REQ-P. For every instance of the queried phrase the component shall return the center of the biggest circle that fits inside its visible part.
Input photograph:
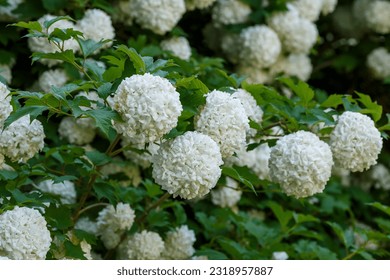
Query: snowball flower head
(5, 104)
(52, 78)
(39, 44)
(198, 4)
(145, 245)
(188, 166)
(328, 6)
(178, 46)
(378, 61)
(260, 46)
(6, 73)
(378, 16)
(66, 190)
(149, 106)
(309, 9)
(355, 142)
(123, 14)
(254, 75)
(23, 234)
(226, 196)
(114, 221)
(22, 140)
(6, 12)
(282, 255)
(230, 12)
(301, 163)
(179, 244)
(96, 25)
(142, 159)
(159, 16)
(297, 34)
(87, 225)
(298, 65)
(231, 46)
(380, 175)
(77, 131)
(224, 119)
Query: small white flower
(301, 163)
(309, 9)
(6, 73)
(378, 61)
(230, 12)
(179, 244)
(223, 118)
(145, 245)
(188, 166)
(380, 175)
(23, 234)
(254, 75)
(260, 46)
(178, 46)
(279, 255)
(198, 4)
(66, 190)
(22, 140)
(227, 196)
(149, 106)
(77, 131)
(87, 225)
(159, 16)
(355, 142)
(52, 78)
(378, 16)
(5, 104)
(124, 15)
(298, 65)
(328, 6)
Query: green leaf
(137, 60)
(301, 89)
(373, 108)
(74, 251)
(32, 25)
(55, 5)
(339, 232)
(211, 254)
(283, 216)
(8, 175)
(98, 158)
(381, 207)
(67, 56)
(33, 111)
(105, 190)
(58, 217)
(231, 172)
(103, 117)
(333, 101)
(302, 218)
(158, 218)
(152, 189)
(180, 213)
(234, 249)
(89, 46)
(104, 90)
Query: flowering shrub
(182, 129)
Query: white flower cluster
(253, 75)
(309, 9)
(188, 166)
(355, 142)
(260, 46)
(52, 78)
(256, 159)
(6, 73)
(301, 163)
(143, 159)
(66, 190)
(113, 222)
(377, 16)
(179, 244)
(39, 44)
(328, 6)
(23, 234)
(7, 12)
(226, 196)
(198, 4)
(178, 46)
(298, 65)
(281, 255)
(87, 225)
(145, 245)
(149, 106)
(96, 25)
(159, 16)
(380, 176)
(230, 12)
(5, 104)
(223, 118)
(297, 34)
(378, 61)
(123, 14)
(22, 140)
(130, 170)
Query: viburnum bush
(182, 129)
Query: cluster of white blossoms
(22, 139)
(130, 170)
(355, 142)
(309, 9)
(298, 65)
(40, 44)
(230, 12)
(224, 119)
(87, 225)
(328, 6)
(96, 25)
(112, 222)
(178, 46)
(377, 16)
(123, 13)
(7, 12)
(143, 159)
(5, 104)
(52, 78)
(198, 4)
(301, 163)
(149, 106)
(145, 245)
(260, 46)
(23, 234)
(179, 244)
(6, 73)
(378, 62)
(159, 16)
(65, 190)
(188, 166)
(380, 177)
(228, 195)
